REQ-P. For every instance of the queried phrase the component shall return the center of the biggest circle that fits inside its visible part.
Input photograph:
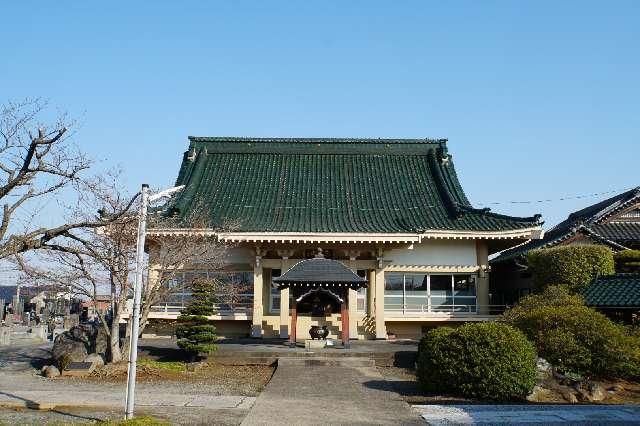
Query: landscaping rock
(616, 388)
(570, 397)
(597, 392)
(96, 359)
(544, 370)
(50, 371)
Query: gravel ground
(173, 415)
(19, 371)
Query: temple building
(407, 249)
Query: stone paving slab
(52, 399)
(303, 394)
(529, 414)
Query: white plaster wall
(240, 255)
(435, 252)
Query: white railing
(239, 308)
(425, 309)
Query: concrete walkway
(530, 414)
(320, 392)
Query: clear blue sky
(538, 99)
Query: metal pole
(135, 317)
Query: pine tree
(196, 334)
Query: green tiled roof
(331, 185)
(619, 290)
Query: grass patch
(137, 421)
(177, 366)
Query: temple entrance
(320, 287)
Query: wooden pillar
(294, 322)
(344, 313)
(284, 313)
(381, 329)
(256, 325)
(482, 283)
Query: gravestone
(9, 320)
(5, 336)
(39, 332)
(26, 319)
(3, 309)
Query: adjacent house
(614, 222)
(617, 296)
(390, 210)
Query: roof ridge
(239, 139)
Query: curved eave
(534, 232)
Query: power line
(565, 198)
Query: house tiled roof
(589, 221)
(618, 290)
(330, 186)
(619, 231)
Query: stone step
(269, 358)
(322, 362)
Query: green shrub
(479, 360)
(627, 261)
(195, 333)
(573, 337)
(575, 266)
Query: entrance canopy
(320, 272)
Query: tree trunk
(114, 338)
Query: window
(361, 297)
(274, 295)
(393, 291)
(464, 293)
(441, 293)
(235, 290)
(415, 293)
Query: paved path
(530, 414)
(321, 392)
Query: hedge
(627, 261)
(575, 338)
(479, 360)
(575, 266)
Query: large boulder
(78, 342)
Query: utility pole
(137, 291)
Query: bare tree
(37, 163)
(94, 260)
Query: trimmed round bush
(574, 266)
(574, 337)
(490, 361)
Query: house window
(393, 292)
(361, 298)
(416, 293)
(441, 293)
(274, 295)
(234, 293)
